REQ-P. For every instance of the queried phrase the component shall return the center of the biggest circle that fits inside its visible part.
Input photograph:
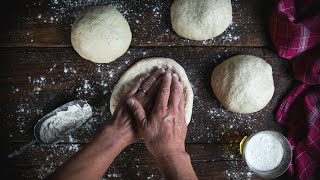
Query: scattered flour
(235, 173)
(63, 12)
(156, 32)
(263, 152)
(44, 171)
(114, 175)
(57, 126)
(55, 155)
(229, 36)
(38, 84)
(90, 83)
(69, 70)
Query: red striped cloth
(295, 26)
(295, 29)
(300, 113)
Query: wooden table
(40, 71)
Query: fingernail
(169, 75)
(130, 102)
(162, 70)
(175, 75)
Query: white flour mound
(264, 152)
(57, 126)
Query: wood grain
(204, 170)
(209, 160)
(25, 100)
(45, 24)
(136, 153)
(40, 71)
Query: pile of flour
(57, 126)
(264, 152)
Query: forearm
(177, 166)
(93, 160)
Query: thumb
(137, 110)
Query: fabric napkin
(295, 26)
(295, 32)
(300, 113)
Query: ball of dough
(243, 83)
(148, 66)
(200, 19)
(101, 34)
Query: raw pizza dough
(243, 83)
(147, 66)
(200, 19)
(101, 34)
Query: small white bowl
(285, 162)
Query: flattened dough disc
(147, 66)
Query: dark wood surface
(149, 21)
(40, 71)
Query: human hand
(123, 123)
(164, 129)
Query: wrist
(168, 156)
(109, 136)
(177, 166)
(179, 159)
(103, 146)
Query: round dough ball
(200, 19)
(148, 66)
(101, 34)
(243, 83)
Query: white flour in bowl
(264, 152)
(57, 126)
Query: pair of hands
(153, 110)
(157, 116)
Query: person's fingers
(164, 93)
(182, 101)
(135, 87)
(137, 111)
(153, 78)
(168, 71)
(147, 84)
(148, 101)
(175, 93)
(154, 89)
(182, 108)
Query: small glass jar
(283, 163)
